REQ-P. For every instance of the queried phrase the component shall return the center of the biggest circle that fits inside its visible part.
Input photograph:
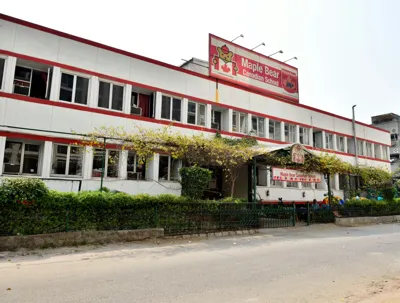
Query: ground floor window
(168, 169)
(306, 185)
(292, 184)
(21, 158)
(67, 160)
(135, 170)
(111, 163)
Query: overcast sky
(348, 50)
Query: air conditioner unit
(136, 111)
(10, 168)
(215, 125)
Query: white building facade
(52, 84)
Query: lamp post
(263, 44)
(293, 58)
(240, 36)
(278, 52)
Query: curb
(215, 234)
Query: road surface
(309, 264)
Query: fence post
(294, 214)
(308, 213)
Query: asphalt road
(308, 264)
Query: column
(123, 165)
(364, 145)
(269, 173)
(93, 91)
(127, 99)
(158, 105)
(184, 110)
(345, 145)
(208, 115)
(373, 150)
(55, 84)
(46, 159)
(334, 138)
(2, 150)
(297, 134)
(282, 131)
(380, 151)
(87, 163)
(336, 182)
(152, 168)
(230, 111)
(323, 139)
(266, 127)
(311, 136)
(8, 76)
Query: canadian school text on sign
(291, 175)
(237, 64)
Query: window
(171, 108)
(257, 125)
(2, 64)
(290, 133)
(67, 160)
(239, 122)
(369, 149)
(385, 153)
(292, 184)
(21, 158)
(135, 170)
(304, 134)
(393, 137)
(328, 141)
(306, 185)
(168, 169)
(272, 181)
(111, 96)
(275, 130)
(74, 88)
(32, 82)
(196, 113)
(360, 147)
(340, 143)
(216, 119)
(111, 163)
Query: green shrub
(194, 181)
(22, 190)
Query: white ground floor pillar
(2, 150)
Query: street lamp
(294, 58)
(240, 36)
(258, 46)
(278, 52)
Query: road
(309, 264)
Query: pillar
(123, 165)
(345, 145)
(2, 150)
(87, 163)
(208, 115)
(230, 111)
(184, 110)
(56, 84)
(250, 124)
(47, 159)
(152, 168)
(127, 99)
(297, 134)
(323, 139)
(311, 136)
(282, 132)
(94, 92)
(334, 138)
(266, 128)
(336, 182)
(158, 105)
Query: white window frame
(75, 75)
(135, 163)
(290, 133)
(329, 141)
(304, 133)
(385, 155)
(171, 108)
(67, 160)
(197, 113)
(242, 129)
(340, 147)
(40, 158)
(3, 81)
(360, 147)
(292, 184)
(106, 162)
(111, 95)
(274, 123)
(257, 130)
(170, 161)
(368, 147)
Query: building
(391, 123)
(53, 83)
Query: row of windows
(21, 158)
(36, 82)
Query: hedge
(369, 208)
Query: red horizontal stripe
(169, 66)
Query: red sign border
(274, 168)
(252, 87)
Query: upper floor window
(385, 153)
(257, 125)
(135, 169)
(111, 96)
(109, 162)
(67, 160)
(239, 122)
(394, 137)
(290, 133)
(369, 149)
(74, 88)
(21, 158)
(275, 130)
(304, 135)
(340, 143)
(171, 108)
(2, 64)
(360, 147)
(168, 169)
(196, 113)
(328, 141)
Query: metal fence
(175, 218)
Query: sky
(348, 50)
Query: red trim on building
(166, 65)
(289, 202)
